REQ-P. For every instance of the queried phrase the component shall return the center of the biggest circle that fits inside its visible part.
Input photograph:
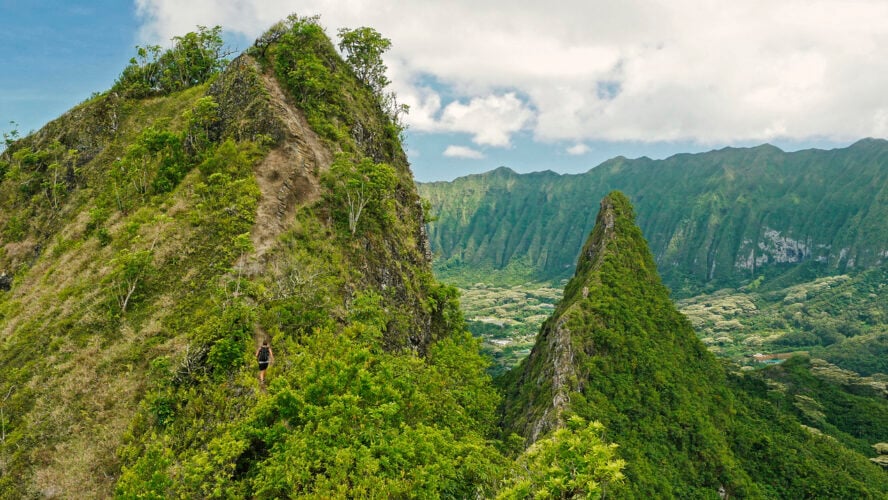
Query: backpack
(263, 354)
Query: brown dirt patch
(290, 175)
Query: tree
(60, 170)
(11, 136)
(200, 122)
(363, 48)
(192, 60)
(3, 416)
(882, 450)
(361, 189)
(130, 270)
(572, 462)
(278, 30)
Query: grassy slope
(144, 396)
(75, 366)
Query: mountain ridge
(156, 233)
(159, 232)
(616, 350)
(714, 220)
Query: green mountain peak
(614, 236)
(615, 320)
(617, 351)
(152, 237)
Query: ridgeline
(617, 351)
(156, 233)
(713, 220)
(153, 236)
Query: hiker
(265, 357)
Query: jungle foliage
(144, 275)
(192, 60)
(127, 225)
(721, 219)
(684, 425)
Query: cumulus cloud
(490, 119)
(463, 152)
(578, 149)
(713, 72)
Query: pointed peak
(616, 281)
(614, 230)
(503, 170)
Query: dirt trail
(289, 175)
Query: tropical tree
(192, 60)
(572, 462)
(359, 190)
(363, 48)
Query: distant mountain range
(713, 220)
(153, 237)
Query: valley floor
(825, 318)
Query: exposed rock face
(5, 281)
(560, 360)
(777, 248)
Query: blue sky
(519, 83)
(55, 54)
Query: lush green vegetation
(345, 104)
(507, 319)
(842, 319)
(131, 225)
(573, 462)
(714, 220)
(789, 459)
(158, 232)
(341, 417)
(617, 351)
(830, 400)
(86, 311)
(192, 60)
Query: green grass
(128, 335)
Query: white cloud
(463, 152)
(491, 119)
(578, 149)
(713, 72)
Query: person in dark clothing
(265, 357)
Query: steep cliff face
(713, 220)
(148, 243)
(617, 351)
